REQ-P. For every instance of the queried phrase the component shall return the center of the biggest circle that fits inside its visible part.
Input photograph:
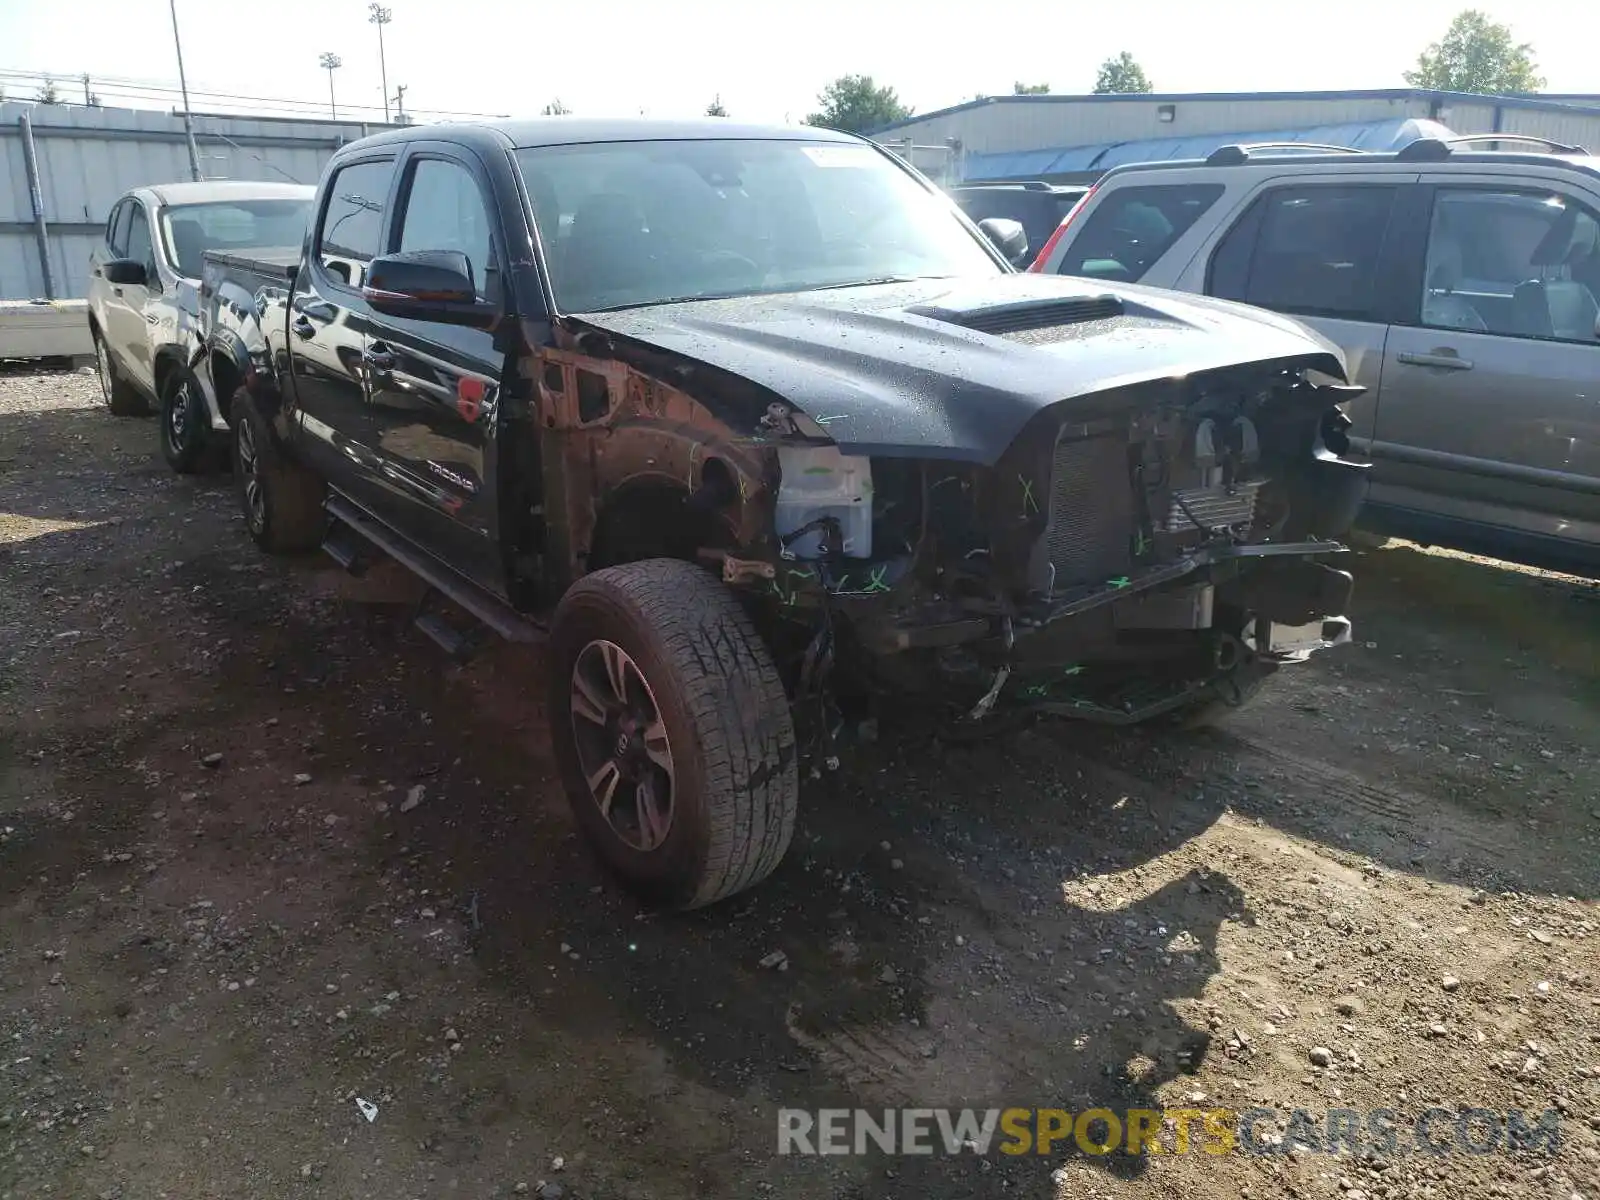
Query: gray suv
(1460, 283)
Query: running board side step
(486, 607)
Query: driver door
(126, 321)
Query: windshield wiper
(833, 287)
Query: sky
(767, 61)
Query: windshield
(189, 230)
(636, 223)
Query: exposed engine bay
(1139, 552)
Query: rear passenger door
(1321, 250)
(1491, 387)
(434, 388)
(328, 319)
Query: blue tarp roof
(1067, 160)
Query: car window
(189, 230)
(352, 219)
(117, 228)
(1514, 262)
(445, 211)
(138, 247)
(650, 222)
(1128, 231)
(1038, 211)
(1311, 250)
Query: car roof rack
(1232, 155)
(1437, 150)
(1466, 139)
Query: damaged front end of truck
(1150, 532)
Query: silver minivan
(1461, 285)
(143, 295)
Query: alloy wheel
(178, 416)
(622, 744)
(255, 495)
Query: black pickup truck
(764, 436)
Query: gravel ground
(264, 854)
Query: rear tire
(282, 501)
(663, 695)
(120, 396)
(186, 439)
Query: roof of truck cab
(572, 131)
(218, 190)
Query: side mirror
(1009, 238)
(125, 272)
(427, 285)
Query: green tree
(555, 109)
(49, 93)
(1121, 74)
(715, 109)
(855, 104)
(1477, 55)
(1030, 89)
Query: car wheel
(186, 439)
(282, 501)
(672, 732)
(120, 396)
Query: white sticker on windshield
(838, 156)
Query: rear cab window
(351, 224)
(1314, 249)
(1128, 231)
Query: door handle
(303, 328)
(116, 291)
(379, 359)
(1449, 360)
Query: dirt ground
(202, 967)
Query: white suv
(1461, 285)
(143, 302)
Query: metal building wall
(87, 157)
(1010, 124)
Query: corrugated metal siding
(88, 157)
(1019, 125)
(1574, 129)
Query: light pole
(330, 62)
(183, 83)
(381, 16)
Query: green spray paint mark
(1140, 543)
(830, 420)
(1120, 582)
(843, 585)
(1075, 670)
(875, 580)
(1028, 502)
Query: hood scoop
(1001, 319)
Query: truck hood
(954, 369)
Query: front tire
(120, 396)
(672, 732)
(186, 440)
(282, 501)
